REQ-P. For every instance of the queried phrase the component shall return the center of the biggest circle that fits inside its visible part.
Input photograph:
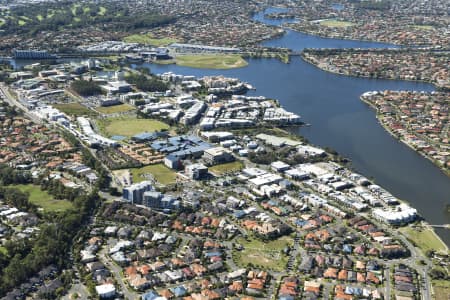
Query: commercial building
(32, 54)
(135, 193)
(196, 171)
(202, 48)
(173, 162)
(402, 213)
(156, 200)
(181, 147)
(115, 87)
(109, 102)
(279, 166)
(91, 136)
(217, 155)
(193, 114)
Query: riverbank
(398, 137)
(425, 238)
(341, 71)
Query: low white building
(105, 291)
(279, 166)
(402, 213)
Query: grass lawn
(75, 109)
(74, 7)
(43, 199)
(3, 250)
(424, 238)
(129, 126)
(160, 172)
(336, 23)
(423, 27)
(50, 13)
(102, 10)
(227, 167)
(441, 289)
(211, 61)
(265, 254)
(149, 39)
(164, 61)
(115, 109)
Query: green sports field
(160, 172)
(43, 199)
(211, 61)
(129, 126)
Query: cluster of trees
(90, 161)
(24, 258)
(51, 247)
(86, 88)
(141, 21)
(59, 190)
(16, 198)
(438, 274)
(147, 84)
(9, 175)
(373, 4)
(55, 16)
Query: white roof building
(279, 166)
(105, 290)
(402, 213)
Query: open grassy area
(441, 289)
(129, 126)
(43, 199)
(265, 254)
(102, 11)
(160, 172)
(74, 7)
(211, 61)
(227, 168)
(164, 61)
(424, 238)
(50, 13)
(114, 109)
(3, 250)
(336, 23)
(149, 39)
(75, 109)
(423, 27)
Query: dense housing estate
(117, 183)
(193, 242)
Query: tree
(437, 274)
(146, 84)
(86, 88)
